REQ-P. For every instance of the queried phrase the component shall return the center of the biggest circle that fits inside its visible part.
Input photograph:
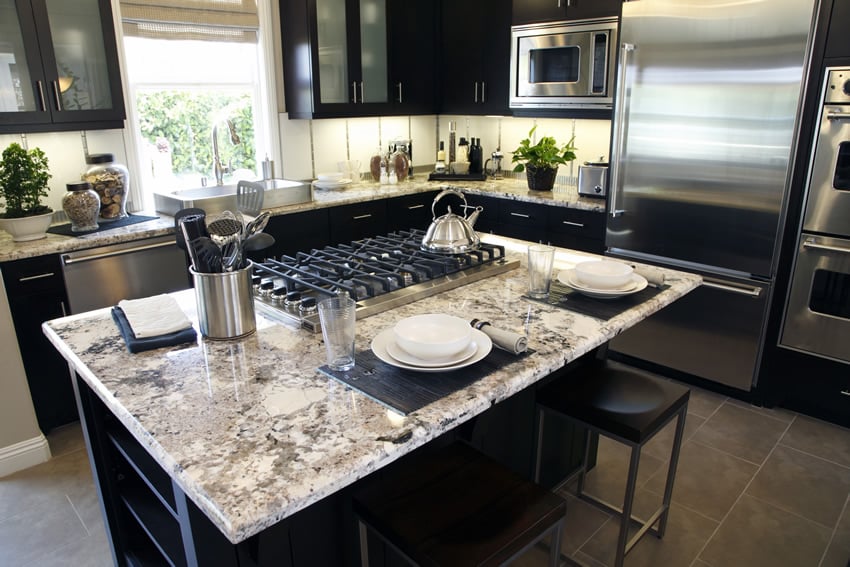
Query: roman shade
(212, 20)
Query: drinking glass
(540, 261)
(337, 316)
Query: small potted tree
(542, 160)
(23, 183)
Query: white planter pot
(27, 228)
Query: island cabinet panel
(36, 294)
(534, 11)
(526, 221)
(297, 232)
(410, 211)
(62, 66)
(358, 220)
(576, 229)
(488, 218)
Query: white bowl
(432, 335)
(331, 176)
(604, 274)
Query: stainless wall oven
(817, 315)
(563, 65)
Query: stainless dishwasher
(103, 276)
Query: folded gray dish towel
(654, 276)
(506, 340)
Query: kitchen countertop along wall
(252, 432)
(561, 196)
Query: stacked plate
(431, 343)
(603, 279)
(329, 181)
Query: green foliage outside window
(181, 122)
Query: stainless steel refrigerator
(705, 121)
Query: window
(195, 83)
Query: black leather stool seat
(456, 506)
(624, 402)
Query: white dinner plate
(568, 278)
(379, 347)
(329, 184)
(405, 357)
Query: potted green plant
(23, 183)
(541, 160)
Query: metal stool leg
(582, 474)
(626, 517)
(539, 460)
(671, 471)
(364, 544)
(555, 545)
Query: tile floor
(754, 487)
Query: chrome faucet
(218, 168)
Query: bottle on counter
(452, 138)
(476, 156)
(82, 206)
(440, 166)
(111, 181)
(463, 150)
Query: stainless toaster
(593, 179)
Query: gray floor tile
(820, 438)
(89, 551)
(661, 445)
(686, 535)
(583, 519)
(66, 439)
(704, 403)
(803, 484)
(37, 532)
(781, 414)
(707, 480)
(838, 555)
(741, 432)
(758, 534)
(586, 560)
(607, 480)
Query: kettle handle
(443, 193)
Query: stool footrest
(646, 525)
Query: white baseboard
(24, 455)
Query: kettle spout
(474, 216)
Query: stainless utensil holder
(225, 303)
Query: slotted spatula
(249, 198)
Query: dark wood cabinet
(63, 71)
(476, 47)
(362, 57)
(410, 211)
(576, 228)
(837, 44)
(358, 220)
(297, 232)
(488, 218)
(534, 11)
(36, 294)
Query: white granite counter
(561, 196)
(253, 432)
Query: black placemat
(406, 391)
(65, 229)
(568, 298)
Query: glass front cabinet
(58, 66)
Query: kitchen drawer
(33, 275)
(488, 219)
(576, 222)
(358, 220)
(410, 211)
(522, 214)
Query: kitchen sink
(219, 198)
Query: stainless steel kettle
(451, 233)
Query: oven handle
(838, 115)
(68, 259)
(811, 243)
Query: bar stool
(629, 406)
(456, 506)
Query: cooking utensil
(258, 241)
(197, 225)
(451, 233)
(224, 228)
(249, 198)
(206, 255)
(256, 225)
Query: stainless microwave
(563, 64)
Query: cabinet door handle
(578, 224)
(521, 215)
(36, 277)
(361, 217)
(354, 90)
(362, 100)
(748, 291)
(483, 98)
(475, 98)
(57, 97)
(412, 207)
(41, 96)
(400, 94)
(845, 392)
(62, 306)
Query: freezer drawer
(713, 333)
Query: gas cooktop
(380, 273)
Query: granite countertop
(561, 196)
(253, 432)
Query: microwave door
(552, 65)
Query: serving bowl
(604, 274)
(330, 176)
(432, 335)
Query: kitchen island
(253, 434)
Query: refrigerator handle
(616, 187)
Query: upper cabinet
(358, 57)
(836, 39)
(534, 11)
(59, 66)
(476, 48)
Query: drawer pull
(578, 224)
(38, 277)
(520, 215)
(412, 207)
(845, 392)
(361, 217)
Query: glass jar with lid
(111, 181)
(82, 206)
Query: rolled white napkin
(506, 340)
(654, 276)
(154, 316)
